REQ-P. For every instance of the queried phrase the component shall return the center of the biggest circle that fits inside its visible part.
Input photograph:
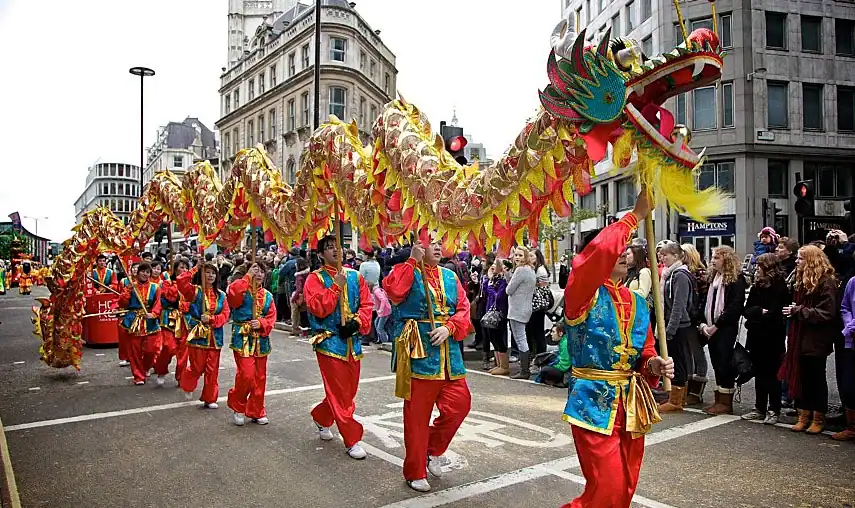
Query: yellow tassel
(676, 185)
(622, 150)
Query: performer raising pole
(429, 371)
(610, 406)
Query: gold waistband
(642, 411)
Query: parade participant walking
(25, 277)
(123, 337)
(207, 315)
(610, 342)
(173, 328)
(327, 291)
(105, 279)
(429, 370)
(2, 277)
(141, 300)
(253, 318)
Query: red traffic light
(456, 143)
(803, 190)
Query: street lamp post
(36, 219)
(142, 72)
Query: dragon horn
(577, 56)
(559, 79)
(603, 48)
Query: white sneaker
(753, 415)
(419, 485)
(124, 363)
(261, 421)
(239, 419)
(188, 395)
(212, 405)
(771, 418)
(435, 464)
(324, 432)
(356, 452)
(161, 380)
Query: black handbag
(741, 364)
(542, 299)
(492, 319)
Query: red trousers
(182, 357)
(247, 396)
(341, 381)
(142, 351)
(203, 361)
(123, 343)
(421, 439)
(167, 351)
(610, 465)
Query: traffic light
(611, 219)
(455, 142)
(804, 197)
(849, 206)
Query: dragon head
(614, 89)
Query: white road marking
(162, 407)
(19, 363)
(460, 492)
(643, 501)
(129, 377)
(33, 389)
(781, 425)
(482, 373)
(83, 382)
(99, 354)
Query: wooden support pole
(657, 292)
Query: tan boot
(724, 406)
(804, 420)
(817, 424)
(675, 401)
(496, 359)
(502, 369)
(716, 398)
(847, 434)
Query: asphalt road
(91, 439)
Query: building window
(250, 134)
(646, 9)
(251, 89)
(261, 83)
(112, 189)
(779, 111)
(227, 143)
(681, 109)
(112, 170)
(272, 124)
(832, 181)
(727, 104)
(362, 60)
(292, 67)
(362, 111)
(812, 106)
(338, 102)
(716, 174)
(631, 17)
(236, 140)
(387, 83)
(616, 25)
(589, 13)
(228, 104)
(304, 105)
(703, 108)
(337, 49)
(121, 170)
(177, 161)
(777, 178)
(589, 201)
(845, 108)
(291, 116)
(844, 33)
(601, 5)
(776, 30)
(726, 30)
(578, 19)
(291, 172)
(626, 194)
(811, 34)
(261, 138)
(373, 115)
(647, 46)
(304, 52)
(372, 69)
(272, 76)
(237, 99)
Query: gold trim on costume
(642, 412)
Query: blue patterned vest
(243, 341)
(193, 317)
(150, 295)
(596, 342)
(108, 277)
(333, 345)
(445, 358)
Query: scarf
(715, 293)
(664, 278)
(790, 370)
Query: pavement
(92, 439)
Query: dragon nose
(680, 135)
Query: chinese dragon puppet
(607, 94)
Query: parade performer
(122, 333)
(25, 277)
(614, 363)
(158, 275)
(105, 279)
(173, 327)
(327, 291)
(141, 300)
(207, 315)
(429, 370)
(253, 317)
(2, 277)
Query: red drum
(101, 329)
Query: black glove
(348, 329)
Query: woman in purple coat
(493, 286)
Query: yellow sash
(138, 327)
(200, 331)
(642, 412)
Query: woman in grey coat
(520, 292)
(677, 298)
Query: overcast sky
(68, 99)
